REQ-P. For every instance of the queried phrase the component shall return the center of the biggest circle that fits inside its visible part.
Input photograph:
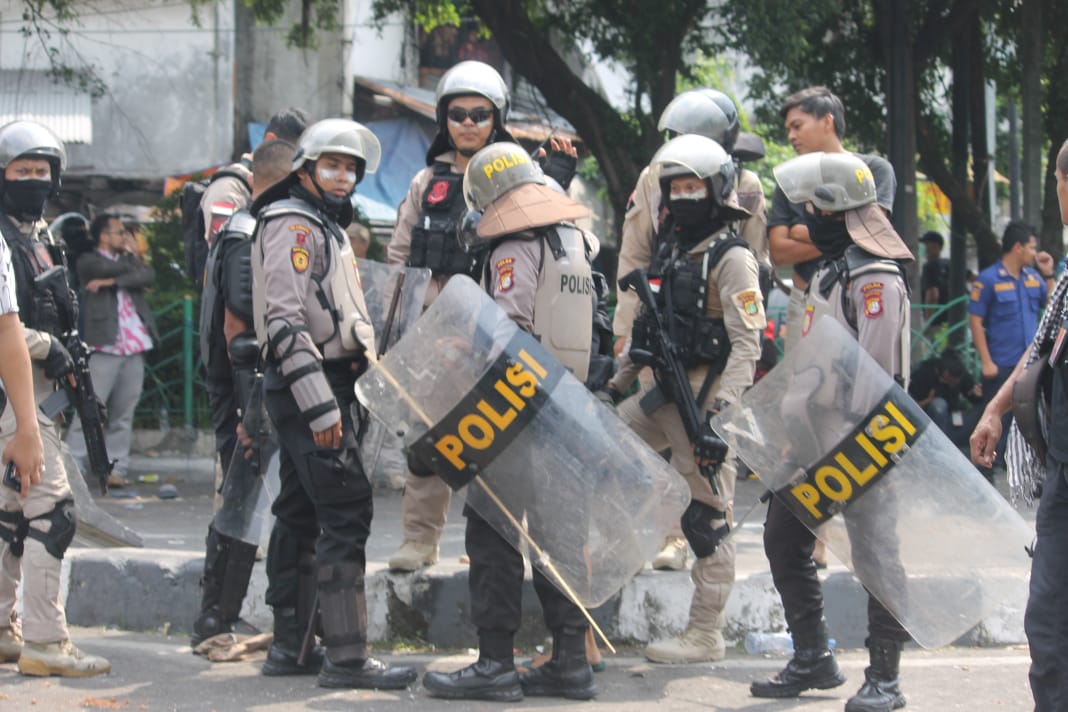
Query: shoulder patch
(806, 321)
(751, 308)
(505, 274)
(300, 259)
(977, 291)
(873, 299)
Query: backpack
(193, 227)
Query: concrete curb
(150, 589)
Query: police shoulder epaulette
(717, 248)
(242, 222)
(290, 206)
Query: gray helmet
(339, 136)
(830, 181)
(695, 155)
(705, 112)
(468, 78)
(28, 139)
(497, 169)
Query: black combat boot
(813, 667)
(228, 567)
(881, 691)
(343, 607)
(568, 674)
(492, 677)
(291, 626)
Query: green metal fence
(174, 382)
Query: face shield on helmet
(830, 181)
(694, 155)
(495, 170)
(339, 136)
(705, 112)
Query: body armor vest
(828, 294)
(39, 308)
(680, 282)
(339, 308)
(563, 304)
(434, 242)
(221, 290)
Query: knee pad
(704, 527)
(62, 525)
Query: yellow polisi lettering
(534, 365)
(861, 477)
(499, 420)
(892, 437)
(509, 395)
(521, 379)
(451, 447)
(873, 452)
(472, 422)
(834, 484)
(900, 418)
(808, 496)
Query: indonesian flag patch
(873, 299)
(505, 274)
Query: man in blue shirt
(1007, 298)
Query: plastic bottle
(773, 643)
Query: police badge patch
(751, 307)
(299, 257)
(873, 299)
(505, 276)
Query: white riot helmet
(339, 136)
(469, 78)
(705, 112)
(28, 139)
(695, 155)
(830, 181)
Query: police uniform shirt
(786, 214)
(39, 343)
(408, 214)
(223, 197)
(8, 301)
(294, 261)
(642, 222)
(1009, 308)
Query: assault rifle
(78, 384)
(673, 379)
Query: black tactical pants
(496, 587)
(325, 496)
(788, 545)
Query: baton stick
(546, 561)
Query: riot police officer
(709, 294)
(860, 282)
(229, 352)
(309, 311)
(36, 530)
(710, 113)
(538, 270)
(471, 108)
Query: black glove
(416, 465)
(710, 446)
(559, 166)
(58, 362)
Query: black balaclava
(828, 233)
(692, 220)
(25, 200)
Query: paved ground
(154, 672)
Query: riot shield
(394, 296)
(862, 466)
(95, 526)
(248, 490)
(551, 468)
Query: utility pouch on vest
(710, 341)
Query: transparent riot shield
(863, 467)
(394, 296)
(248, 491)
(95, 526)
(548, 466)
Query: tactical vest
(563, 304)
(434, 243)
(680, 282)
(39, 308)
(339, 298)
(828, 294)
(233, 290)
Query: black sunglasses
(459, 115)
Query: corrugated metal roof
(31, 95)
